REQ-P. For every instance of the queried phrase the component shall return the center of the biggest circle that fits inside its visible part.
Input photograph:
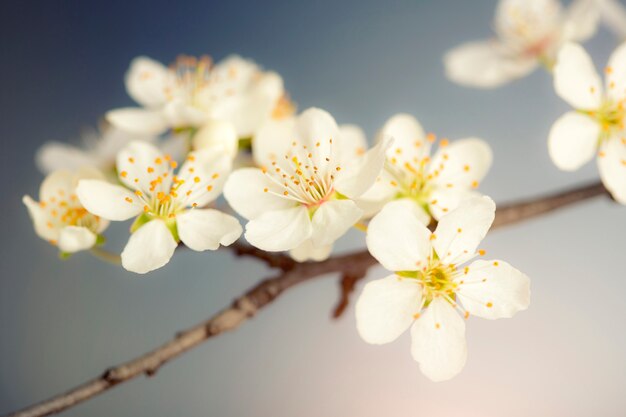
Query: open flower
(430, 291)
(302, 199)
(528, 33)
(436, 186)
(59, 217)
(193, 91)
(168, 206)
(597, 125)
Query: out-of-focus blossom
(528, 33)
(169, 207)
(59, 217)
(430, 291)
(192, 92)
(302, 199)
(434, 185)
(597, 124)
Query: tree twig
(354, 266)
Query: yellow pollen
(173, 164)
(265, 190)
(481, 252)
(150, 170)
(437, 326)
(433, 236)
(474, 184)
(496, 263)
(444, 143)
(286, 193)
(489, 304)
(196, 179)
(128, 199)
(131, 160)
(123, 174)
(216, 175)
(459, 230)
(194, 205)
(191, 158)
(431, 137)
(146, 208)
(158, 161)
(416, 316)
(466, 168)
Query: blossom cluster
(300, 181)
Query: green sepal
(140, 221)
(64, 256)
(100, 240)
(173, 228)
(407, 274)
(245, 144)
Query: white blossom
(169, 208)
(597, 124)
(193, 92)
(430, 290)
(59, 217)
(302, 199)
(434, 185)
(528, 33)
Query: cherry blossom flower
(168, 207)
(435, 185)
(59, 217)
(528, 33)
(597, 124)
(193, 92)
(430, 290)
(302, 199)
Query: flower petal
(616, 74)
(111, 202)
(332, 220)
(45, 226)
(463, 163)
(217, 133)
(207, 229)
(493, 289)
(486, 64)
(581, 20)
(575, 78)
(54, 156)
(352, 144)
(443, 200)
(315, 126)
(181, 114)
(306, 251)
(139, 121)
(146, 81)
(74, 238)
(244, 191)
(386, 308)
(438, 341)
(139, 164)
(397, 237)
(279, 230)
(203, 176)
(612, 167)
(409, 140)
(273, 141)
(360, 174)
(613, 16)
(459, 232)
(57, 185)
(149, 248)
(573, 140)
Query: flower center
(191, 78)
(610, 116)
(436, 279)
(303, 176)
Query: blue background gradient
(62, 323)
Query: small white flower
(59, 217)
(429, 284)
(613, 16)
(98, 151)
(528, 32)
(597, 125)
(193, 92)
(303, 198)
(168, 205)
(435, 186)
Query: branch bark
(352, 268)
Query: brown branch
(354, 266)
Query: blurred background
(63, 322)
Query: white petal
(203, 174)
(73, 239)
(139, 121)
(397, 237)
(409, 140)
(352, 143)
(463, 163)
(493, 290)
(140, 163)
(45, 226)
(146, 81)
(573, 141)
(149, 248)
(486, 64)
(575, 78)
(273, 141)
(55, 156)
(612, 166)
(181, 114)
(613, 16)
(380, 193)
(59, 184)
(360, 174)
(207, 229)
(443, 200)
(217, 133)
(438, 341)
(279, 230)
(315, 126)
(306, 251)
(332, 220)
(386, 308)
(616, 74)
(244, 191)
(581, 20)
(459, 232)
(111, 202)
(527, 22)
